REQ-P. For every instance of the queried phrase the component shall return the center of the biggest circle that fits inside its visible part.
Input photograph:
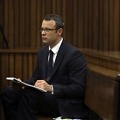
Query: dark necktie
(50, 64)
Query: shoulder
(72, 52)
(43, 50)
(68, 48)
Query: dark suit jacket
(68, 79)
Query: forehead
(48, 23)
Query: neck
(55, 43)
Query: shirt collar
(56, 47)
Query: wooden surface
(17, 63)
(102, 93)
(103, 84)
(92, 24)
(107, 59)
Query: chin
(45, 42)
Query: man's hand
(44, 85)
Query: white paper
(23, 83)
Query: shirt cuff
(52, 90)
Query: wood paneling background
(1, 22)
(90, 24)
(17, 63)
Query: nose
(42, 32)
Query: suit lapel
(59, 58)
(58, 61)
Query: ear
(60, 31)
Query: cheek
(49, 39)
(53, 37)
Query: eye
(46, 29)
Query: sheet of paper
(13, 79)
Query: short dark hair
(58, 19)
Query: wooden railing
(17, 63)
(103, 83)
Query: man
(64, 80)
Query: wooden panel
(103, 83)
(90, 24)
(33, 23)
(107, 59)
(25, 64)
(17, 63)
(11, 23)
(95, 38)
(1, 22)
(1, 11)
(75, 20)
(6, 21)
(85, 23)
(80, 24)
(101, 25)
(106, 25)
(12, 64)
(116, 25)
(111, 30)
(102, 93)
(18, 66)
(4, 69)
(21, 20)
(38, 19)
(17, 35)
(27, 23)
(69, 22)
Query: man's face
(49, 33)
